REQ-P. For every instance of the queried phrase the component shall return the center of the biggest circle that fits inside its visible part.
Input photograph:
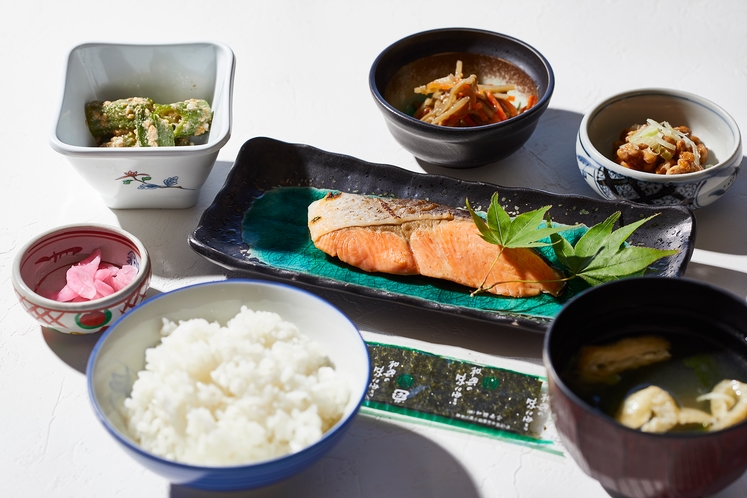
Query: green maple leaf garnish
(523, 231)
(599, 256)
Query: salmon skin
(419, 237)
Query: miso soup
(693, 367)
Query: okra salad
(140, 122)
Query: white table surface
(302, 77)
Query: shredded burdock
(457, 101)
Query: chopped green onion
(652, 135)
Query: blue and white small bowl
(602, 126)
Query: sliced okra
(111, 118)
(129, 139)
(189, 118)
(153, 131)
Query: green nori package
(466, 395)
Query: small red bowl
(40, 268)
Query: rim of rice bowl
(349, 410)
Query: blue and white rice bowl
(602, 125)
(120, 354)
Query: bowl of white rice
(229, 385)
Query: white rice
(252, 390)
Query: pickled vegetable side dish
(140, 122)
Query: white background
(302, 77)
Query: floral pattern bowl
(602, 125)
(145, 177)
(40, 267)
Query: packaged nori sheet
(469, 396)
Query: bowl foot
(614, 494)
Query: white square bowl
(135, 177)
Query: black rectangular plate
(264, 164)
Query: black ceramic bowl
(494, 58)
(628, 462)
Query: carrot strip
(510, 109)
(498, 109)
(492, 99)
(531, 101)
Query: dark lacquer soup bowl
(628, 462)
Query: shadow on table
(164, 231)
(72, 349)
(374, 459)
(436, 327)
(722, 226)
(75, 349)
(731, 280)
(547, 161)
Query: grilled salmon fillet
(418, 237)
